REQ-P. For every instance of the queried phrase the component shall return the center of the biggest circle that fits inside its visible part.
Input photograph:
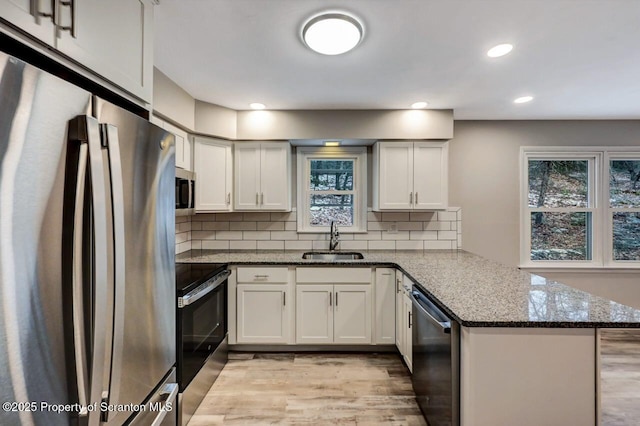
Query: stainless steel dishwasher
(436, 362)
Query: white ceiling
(579, 58)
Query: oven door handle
(199, 293)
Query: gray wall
(172, 102)
(484, 158)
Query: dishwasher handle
(419, 302)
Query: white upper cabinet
(113, 39)
(213, 166)
(183, 146)
(262, 176)
(410, 176)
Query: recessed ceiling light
(419, 105)
(331, 143)
(257, 105)
(523, 99)
(499, 50)
(332, 33)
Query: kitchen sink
(315, 255)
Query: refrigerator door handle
(77, 304)
(111, 141)
(168, 399)
(86, 131)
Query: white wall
(484, 158)
(172, 102)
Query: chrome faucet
(334, 239)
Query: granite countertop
(475, 291)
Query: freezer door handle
(77, 303)
(85, 131)
(111, 142)
(168, 398)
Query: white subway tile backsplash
(203, 235)
(371, 235)
(256, 235)
(352, 245)
(447, 216)
(257, 216)
(229, 217)
(423, 235)
(409, 245)
(270, 226)
(395, 217)
(409, 226)
(298, 245)
(216, 226)
(400, 235)
(242, 226)
(215, 245)
(437, 245)
(270, 245)
(422, 216)
(381, 245)
(228, 235)
(242, 245)
(447, 235)
(278, 231)
(284, 235)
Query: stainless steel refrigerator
(87, 267)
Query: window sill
(586, 269)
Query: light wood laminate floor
(314, 389)
(620, 377)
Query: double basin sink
(329, 256)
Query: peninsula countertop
(475, 291)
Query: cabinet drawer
(263, 275)
(333, 275)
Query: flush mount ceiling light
(523, 99)
(331, 143)
(499, 50)
(332, 33)
(419, 105)
(257, 105)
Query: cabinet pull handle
(416, 198)
(262, 198)
(398, 285)
(34, 10)
(261, 276)
(257, 198)
(410, 320)
(336, 299)
(71, 4)
(229, 198)
(284, 299)
(330, 297)
(387, 274)
(411, 198)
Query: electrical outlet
(393, 228)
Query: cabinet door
(408, 337)
(263, 313)
(385, 309)
(399, 313)
(181, 140)
(246, 162)
(430, 175)
(314, 313)
(212, 165)
(352, 314)
(275, 175)
(26, 15)
(395, 175)
(114, 39)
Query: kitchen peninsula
(529, 351)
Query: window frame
(598, 204)
(359, 156)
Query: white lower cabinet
(404, 319)
(338, 313)
(263, 313)
(408, 330)
(385, 308)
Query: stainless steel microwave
(185, 192)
